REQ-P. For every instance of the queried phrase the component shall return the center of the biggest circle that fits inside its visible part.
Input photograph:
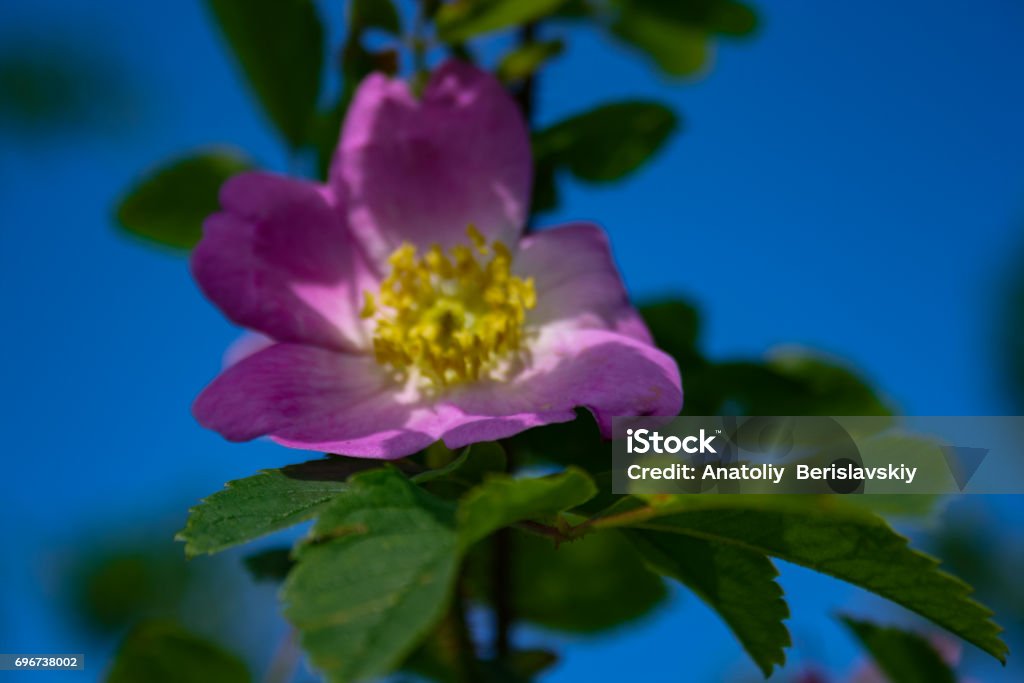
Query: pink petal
(423, 171)
(279, 260)
(576, 281)
(316, 399)
(609, 373)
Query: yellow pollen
(450, 317)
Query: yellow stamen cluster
(450, 317)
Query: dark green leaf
(272, 564)
(502, 500)
(903, 656)
(846, 543)
(162, 652)
(675, 325)
(461, 20)
(608, 142)
(465, 471)
(524, 60)
(269, 501)
(726, 17)
(376, 576)
(678, 49)
(374, 14)
(169, 205)
(737, 583)
(571, 587)
(279, 45)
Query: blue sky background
(851, 180)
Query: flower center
(450, 317)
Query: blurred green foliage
(169, 206)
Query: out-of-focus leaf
(111, 588)
(272, 564)
(903, 656)
(799, 383)
(608, 142)
(269, 501)
(163, 652)
(461, 20)
(502, 500)
(678, 49)
(375, 14)
(169, 205)
(524, 60)
(849, 544)
(49, 87)
(375, 578)
(569, 587)
(726, 17)
(279, 45)
(737, 583)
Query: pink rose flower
(400, 301)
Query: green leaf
(521, 63)
(169, 205)
(846, 543)
(502, 500)
(461, 20)
(379, 14)
(272, 564)
(678, 49)
(279, 45)
(465, 471)
(162, 652)
(735, 582)
(376, 576)
(608, 142)
(269, 501)
(903, 656)
(572, 587)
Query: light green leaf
(737, 583)
(903, 656)
(608, 142)
(502, 500)
(461, 20)
(162, 652)
(169, 205)
(524, 60)
(375, 578)
(846, 543)
(279, 45)
(269, 501)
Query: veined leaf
(903, 656)
(279, 45)
(849, 544)
(465, 471)
(269, 501)
(737, 583)
(502, 500)
(169, 205)
(608, 142)
(376, 576)
(461, 20)
(163, 652)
